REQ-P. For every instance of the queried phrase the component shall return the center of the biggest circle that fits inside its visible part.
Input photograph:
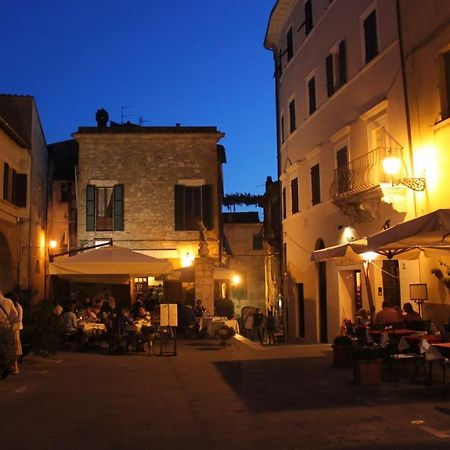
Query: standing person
(270, 327)
(8, 316)
(16, 327)
(259, 324)
(248, 324)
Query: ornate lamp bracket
(416, 184)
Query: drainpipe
(405, 95)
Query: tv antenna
(142, 120)
(122, 115)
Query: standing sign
(169, 315)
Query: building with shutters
(147, 189)
(23, 195)
(356, 83)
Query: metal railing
(361, 174)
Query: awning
(350, 250)
(112, 260)
(354, 251)
(430, 233)
(186, 274)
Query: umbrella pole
(369, 290)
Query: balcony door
(343, 173)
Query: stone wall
(149, 165)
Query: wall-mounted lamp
(236, 280)
(52, 244)
(392, 165)
(187, 259)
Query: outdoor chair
(400, 354)
(433, 356)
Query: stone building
(147, 189)
(243, 232)
(23, 184)
(349, 76)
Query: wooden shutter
(118, 207)
(315, 184)
(20, 190)
(294, 196)
(370, 36)
(5, 181)
(207, 206)
(284, 202)
(90, 207)
(289, 45)
(330, 75)
(312, 94)
(308, 17)
(179, 207)
(292, 119)
(342, 64)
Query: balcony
(357, 187)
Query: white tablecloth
(91, 326)
(215, 325)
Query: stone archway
(6, 266)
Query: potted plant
(366, 365)
(342, 351)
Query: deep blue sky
(196, 62)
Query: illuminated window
(104, 208)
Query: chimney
(102, 118)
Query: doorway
(322, 280)
(391, 282)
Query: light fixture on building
(236, 280)
(368, 256)
(392, 165)
(52, 244)
(187, 259)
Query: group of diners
(89, 322)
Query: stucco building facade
(23, 200)
(342, 108)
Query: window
(315, 184)
(312, 94)
(257, 242)
(192, 205)
(336, 69)
(294, 196)
(343, 175)
(289, 45)
(292, 120)
(284, 203)
(65, 191)
(370, 36)
(308, 17)
(104, 208)
(279, 65)
(14, 186)
(445, 91)
(283, 137)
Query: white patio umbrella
(429, 233)
(109, 261)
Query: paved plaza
(286, 397)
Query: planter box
(367, 372)
(342, 355)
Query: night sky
(195, 62)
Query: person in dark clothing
(259, 325)
(270, 327)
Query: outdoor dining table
(392, 332)
(444, 348)
(212, 324)
(88, 327)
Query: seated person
(142, 314)
(410, 314)
(69, 320)
(387, 315)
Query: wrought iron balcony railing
(361, 174)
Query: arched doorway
(322, 280)
(6, 268)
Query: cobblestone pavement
(286, 397)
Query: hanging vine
(233, 200)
